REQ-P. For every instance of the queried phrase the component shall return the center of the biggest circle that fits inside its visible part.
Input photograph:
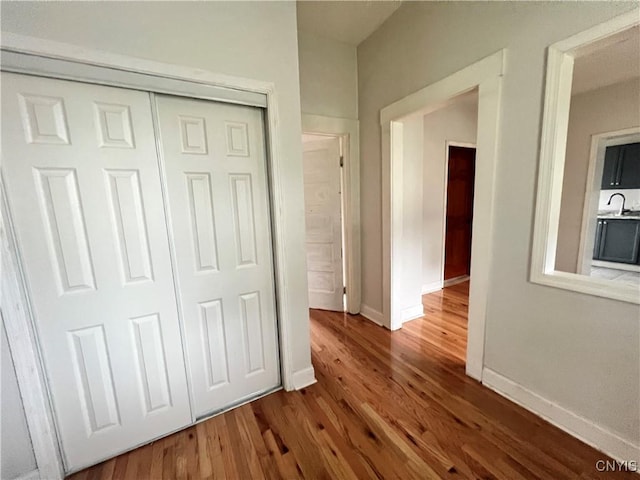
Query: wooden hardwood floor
(386, 405)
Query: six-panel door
(323, 214)
(82, 178)
(82, 174)
(214, 157)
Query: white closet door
(215, 163)
(82, 178)
(323, 214)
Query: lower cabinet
(617, 241)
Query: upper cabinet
(621, 167)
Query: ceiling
(612, 60)
(345, 21)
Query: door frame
(348, 132)
(599, 142)
(447, 144)
(70, 62)
(17, 318)
(553, 144)
(486, 75)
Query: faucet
(622, 209)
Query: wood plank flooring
(386, 405)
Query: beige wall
(606, 109)
(579, 351)
(457, 122)
(328, 77)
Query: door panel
(82, 179)
(621, 168)
(459, 215)
(323, 224)
(610, 168)
(629, 169)
(596, 246)
(215, 163)
(619, 241)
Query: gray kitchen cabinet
(617, 241)
(621, 167)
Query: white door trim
(599, 142)
(447, 144)
(85, 62)
(553, 143)
(19, 62)
(348, 130)
(486, 76)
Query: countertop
(613, 216)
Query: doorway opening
(439, 149)
(404, 191)
(319, 128)
(446, 309)
(607, 247)
(460, 174)
(449, 137)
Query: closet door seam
(172, 252)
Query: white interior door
(323, 213)
(215, 163)
(81, 172)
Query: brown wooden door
(460, 176)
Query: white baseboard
(582, 428)
(32, 475)
(432, 287)
(372, 314)
(412, 312)
(304, 378)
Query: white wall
(16, 454)
(581, 352)
(632, 200)
(457, 122)
(328, 77)
(606, 109)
